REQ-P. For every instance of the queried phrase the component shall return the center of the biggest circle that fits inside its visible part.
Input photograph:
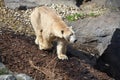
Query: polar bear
(48, 27)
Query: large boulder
(23, 77)
(25, 4)
(5, 74)
(15, 77)
(113, 4)
(102, 33)
(20, 4)
(7, 77)
(109, 61)
(108, 3)
(97, 32)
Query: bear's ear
(62, 31)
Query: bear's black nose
(75, 41)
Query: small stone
(7, 77)
(23, 77)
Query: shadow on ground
(109, 62)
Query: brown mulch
(21, 55)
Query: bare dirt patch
(21, 55)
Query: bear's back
(49, 13)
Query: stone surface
(25, 4)
(66, 2)
(20, 4)
(23, 77)
(108, 3)
(2, 65)
(5, 74)
(113, 3)
(109, 61)
(15, 77)
(97, 31)
(7, 77)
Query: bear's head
(69, 35)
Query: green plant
(4, 71)
(74, 17)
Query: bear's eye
(41, 30)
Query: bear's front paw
(62, 57)
(43, 47)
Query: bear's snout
(75, 41)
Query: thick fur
(48, 26)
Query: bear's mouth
(67, 39)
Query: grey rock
(113, 4)
(108, 3)
(12, 3)
(7, 77)
(15, 77)
(20, 4)
(23, 77)
(100, 2)
(66, 2)
(109, 60)
(25, 4)
(97, 31)
(3, 69)
(2, 65)
(5, 74)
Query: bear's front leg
(39, 37)
(61, 50)
(37, 40)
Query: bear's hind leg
(61, 50)
(45, 44)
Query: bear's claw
(62, 57)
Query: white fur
(72, 38)
(48, 26)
